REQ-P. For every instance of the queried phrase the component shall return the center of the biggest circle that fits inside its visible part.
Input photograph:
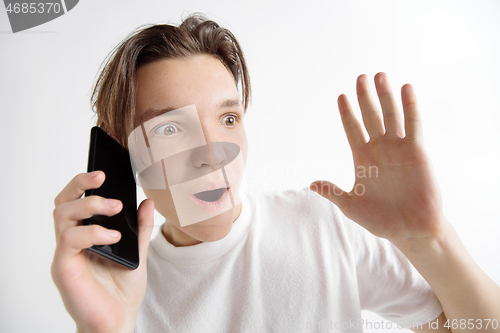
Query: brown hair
(113, 97)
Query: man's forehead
(169, 84)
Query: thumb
(145, 215)
(331, 192)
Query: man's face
(189, 147)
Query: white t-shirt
(292, 262)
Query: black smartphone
(109, 156)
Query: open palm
(395, 195)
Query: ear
(116, 139)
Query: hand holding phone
(90, 285)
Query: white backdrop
(301, 56)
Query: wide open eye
(229, 120)
(167, 129)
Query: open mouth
(211, 196)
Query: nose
(212, 155)
(218, 154)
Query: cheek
(164, 203)
(242, 141)
(244, 152)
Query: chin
(212, 229)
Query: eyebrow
(152, 113)
(229, 103)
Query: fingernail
(112, 202)
(113, 233)
(93, 173)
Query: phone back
(107, 155)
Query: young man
(233, 262)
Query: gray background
(301, 55)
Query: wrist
(434, 244)
(127, 327)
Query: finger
(78, 185)
(392, 117)
(145, 215)
(332, 192)
(73, 240)
(371, 115)
(68, 214)
(413, 123)
(352, 127)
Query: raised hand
(100, 295)
(395, 195)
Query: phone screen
(109, 156)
